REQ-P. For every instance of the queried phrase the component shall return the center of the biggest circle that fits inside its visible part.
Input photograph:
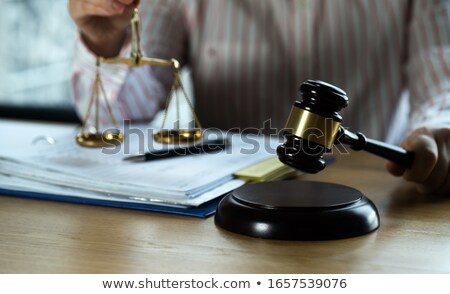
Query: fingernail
(119, 7)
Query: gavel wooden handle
(390, 152)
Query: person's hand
(102, 23)
(431, 167)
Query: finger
(110, 7)
(395, 169)
(129, 8)
(127, 2)
(113, 7)
(440, 173)
(445, 188)
(95, 8)
(424, 146)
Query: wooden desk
(39, 236)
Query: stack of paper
(29, 162)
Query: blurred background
(35, 54)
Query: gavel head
(312, 126)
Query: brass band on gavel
(313, 127)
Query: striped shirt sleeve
(429, 63)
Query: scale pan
(106, 139)
(179, 136)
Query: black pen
(209, 146)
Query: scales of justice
(92, 137)
(286, 210)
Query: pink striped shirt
(248, 58)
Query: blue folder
(202, 211)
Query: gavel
(314, 126)
(309, 210)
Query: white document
(183, 180)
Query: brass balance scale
(94, 138)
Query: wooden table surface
(38, 236)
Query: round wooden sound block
(297, 210)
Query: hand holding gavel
(314, 126)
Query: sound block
(297, 210)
